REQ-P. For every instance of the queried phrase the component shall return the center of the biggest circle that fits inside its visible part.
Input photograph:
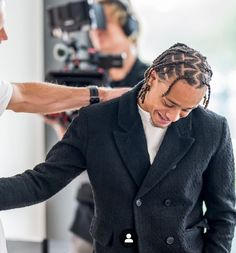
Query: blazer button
(170, 240)
(138, 202)
(167, 202)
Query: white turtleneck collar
(154, 135)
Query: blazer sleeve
(64, 162)
(219, 196)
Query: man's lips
(163, 119)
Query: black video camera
(83, 65)
(71, 23)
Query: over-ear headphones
(131, 25)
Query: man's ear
(153, 77)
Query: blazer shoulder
(101, 114)
(208, 115)
(113, 104)
(101, 107)
(208, 120)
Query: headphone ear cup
(99, 16)
(131, 25)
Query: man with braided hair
(153, 156)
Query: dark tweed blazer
(161, 202)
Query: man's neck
(142, 105)
(118, 74)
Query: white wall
(22, 135)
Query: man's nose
(3, 35)
(173, 115)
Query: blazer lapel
(174, 147)
(130, 138)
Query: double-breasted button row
(167, 202)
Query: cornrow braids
(182, 63)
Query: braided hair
(182, 63)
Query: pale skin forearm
(49, 98)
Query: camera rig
(71, 23)
(82, 64)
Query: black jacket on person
(85, 210)
(161, 202)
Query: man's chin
(160, 125)
(160, 122)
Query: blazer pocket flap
(198, 226)
(100, 231)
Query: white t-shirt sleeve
(6, 90)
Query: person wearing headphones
(120, 36)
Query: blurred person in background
(120, 37)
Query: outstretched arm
(64, 162)
(50, 98)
